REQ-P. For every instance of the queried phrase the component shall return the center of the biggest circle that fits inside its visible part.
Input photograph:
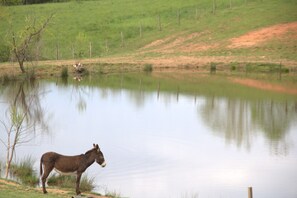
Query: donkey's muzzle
(103, 164)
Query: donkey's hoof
(44, 192)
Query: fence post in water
(250, 192)
(158, 90)
(280, 71)
(177, 95)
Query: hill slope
(158, 28)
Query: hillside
(161, 32)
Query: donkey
(69, 164)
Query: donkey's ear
(96, 146)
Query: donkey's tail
(41, 161)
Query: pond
(168, 135)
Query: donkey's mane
(88, 152)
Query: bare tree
(24, 118)
(23, 40)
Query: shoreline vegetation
(11, 188)
(47, 69)
(24, 182)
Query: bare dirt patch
(181, 42)
(265, 86)
(256, 37)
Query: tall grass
(65, 181)
(25, 172)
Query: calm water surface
(168, 137)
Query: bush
(213, 67)
(4, 52)
(25, 171)
(148, 68)
(64, 73)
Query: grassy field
(121, 27)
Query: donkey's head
(99, 156)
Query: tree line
(27, 2)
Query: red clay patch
(259, 36)
(264, 85)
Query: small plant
(148, 68)
(25, 171)
(213, 68)
(64, 73)
(5, 79)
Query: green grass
(11, 189)
(77, 23)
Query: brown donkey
(70, 164)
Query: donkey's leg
(47, 170)
(77, 183)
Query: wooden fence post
(214, 6)
(90, 49)
(106, 46)
(178, 17)
(140, 30)
(57, 51)
(159, 22)
(122, 39)
(250, 192)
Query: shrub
(25, 171)
(64, 72)
(213, 67)
(148, 68)
(4, 52)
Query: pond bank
(13, 189)
(161, 64)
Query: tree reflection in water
(238, 120)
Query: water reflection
(27, 97)
(238, 121)
(167, 137)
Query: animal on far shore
(69, 164)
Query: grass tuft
(25, 172)
(86, 184)
(64, 73)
